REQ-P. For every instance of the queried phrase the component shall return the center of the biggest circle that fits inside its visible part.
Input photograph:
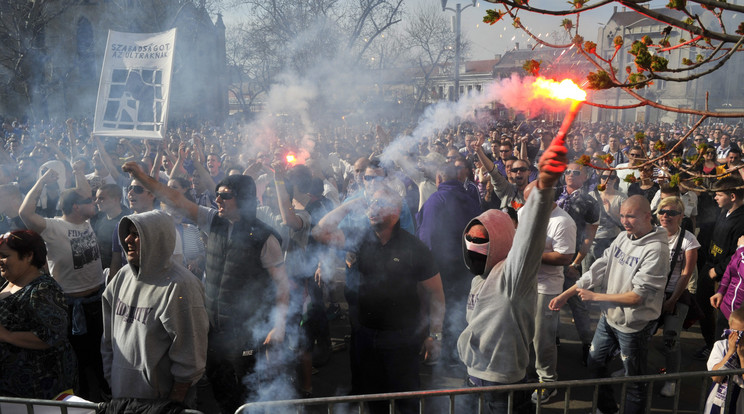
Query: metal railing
(9, 405)
(423, 396)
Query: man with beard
(509, 189)
(247, 289)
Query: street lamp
(457, 10)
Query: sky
(490, 40)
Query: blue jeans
(633, 352)
(494, 402)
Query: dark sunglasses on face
(476, 240)
(670, 213)
(226, 196)
(138, 189)
(518, 169)
(573, 172)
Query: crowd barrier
(10, 405)
(358, 403)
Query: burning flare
(291, 159)
(565, 89)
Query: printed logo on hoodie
(131, 313)
(623, 258)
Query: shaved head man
(634, 272)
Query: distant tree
(431, 46)
(279, 35)
(23, 79)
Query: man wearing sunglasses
(509, 189)
(574, 199)
(246, 280)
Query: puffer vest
(240, 293)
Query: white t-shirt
(689, 243)
(561, 238)
(72, 254)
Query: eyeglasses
(519, 169)
(476, 240)
(372, 178)
(226, 196)
(670, 213)
(84, 201)
(137, 189)
(502, 151)
(573, 172)
(635, 154)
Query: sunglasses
(372, 178)
(8, 235)
(519, 169)
(226, 196)
(573, 172)
(476, 240)
(635, 155)
(502, 151)
(670, 213)
(137, 189)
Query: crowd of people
(197, 268)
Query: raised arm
(106, 158)
(289, 218)
(327, 230)
(169, 196)
(27, 212)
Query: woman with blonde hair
(683, 250)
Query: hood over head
(157, 235)
(500, 230)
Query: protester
(503, 295)
(683, 248)
(155, 325)
(246, 282)
(629, 310)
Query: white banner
(135, 83)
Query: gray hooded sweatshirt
(501, 307)
(154, 321)
(641, 266)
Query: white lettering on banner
(133, 94)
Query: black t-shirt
(104, 230)
(388, 298)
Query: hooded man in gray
(502, 302)
(155, 324)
